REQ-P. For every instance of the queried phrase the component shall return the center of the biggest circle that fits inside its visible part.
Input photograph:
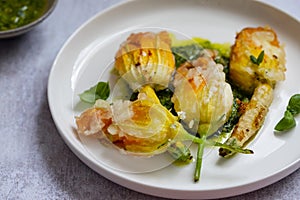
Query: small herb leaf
(253, 59)
(286, 123)
(99, 91)
(294, 104)
(259, 59)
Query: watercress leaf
(294, 104)
(99, 91)
(286, 123)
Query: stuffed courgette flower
(202, 94)
(146, 58)
(141, 127)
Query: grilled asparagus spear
(252, 119)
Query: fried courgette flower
(202, 94)
(141, 127)
(251, 42)
(146, 58)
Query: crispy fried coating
(146, 58)
(251, 42)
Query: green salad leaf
(294, 104)
(286, 123)
(99, 91)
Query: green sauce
(188, 50)
(17, 13)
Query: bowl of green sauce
(20, 16)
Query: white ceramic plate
(87, 55)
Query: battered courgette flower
(202, 94)
(141, 127)
(146, 58)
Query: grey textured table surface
(35, 163)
